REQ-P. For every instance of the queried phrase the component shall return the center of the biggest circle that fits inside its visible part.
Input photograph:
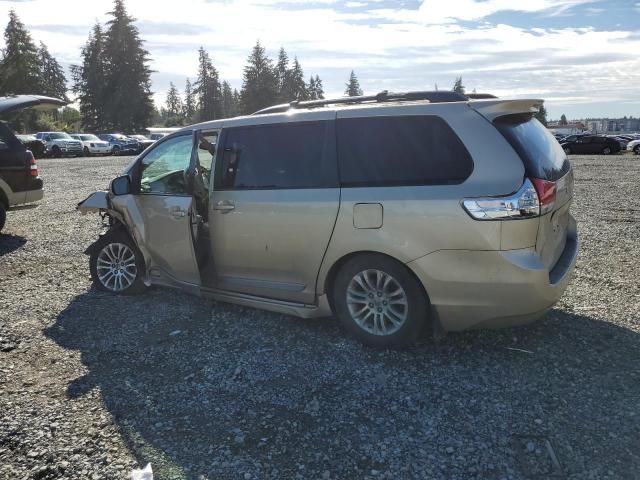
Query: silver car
(391, 212)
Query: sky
(581, 56)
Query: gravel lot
(93, 385)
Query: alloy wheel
(377, 302)
(116, 267)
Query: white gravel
(93, 385)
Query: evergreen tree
(319, 88)
(20, 66)
(457, 86)
(207, 89)
(563, 120)
(89, 78)
(229, 106)
(353, 87)
(52, 79)
(259, 83)
(282, 72)
(542, 115)
(189, 101)
(127, 74)
(173, 102)
(311, 89)
(296, 87)
(236, 101)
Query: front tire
(56, 152)
(117, 265)
(567, 150)
(115, 151)
(379, 301)
(606, 151)
(636, 149)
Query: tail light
(534, 198)
(33, 166)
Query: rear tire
(116, 265)
(606, 150)
(116, 150)
(379, 301)
(567, 150)
(86, 152)
(3, 216)
(636, 149)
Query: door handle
(224, 206)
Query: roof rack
(438, 96)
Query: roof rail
(438, 96)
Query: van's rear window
(540, 152)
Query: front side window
(404, 150)
(164, 168)
(286, 155)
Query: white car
(92, 145)
(634, 146)
(60, 144)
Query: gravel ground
(93, 385)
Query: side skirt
(322, 309)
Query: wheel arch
(335, 268)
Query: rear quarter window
(540, 152)
(402, 150)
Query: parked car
(157, 136)
(388, 213)
(60, 144)
(634, 146)
(590, 144)
(19, 180)
(37, 147)
(120, 144)
(143, 142)
(92, 145)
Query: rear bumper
(493, 289)
(34, 195)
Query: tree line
(112, 81)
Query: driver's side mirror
(121, 185)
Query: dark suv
(590, 144)
(19, 180)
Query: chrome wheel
(377, 302)
(116, 267)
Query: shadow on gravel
(10, 242)
(222, 391)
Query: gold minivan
(391, 212)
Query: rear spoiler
(492, 109)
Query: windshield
(88, 137)
(138, 137)
(119, 136)
(57, 136)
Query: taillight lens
(522, 204)
(33, 166)
(546, 194)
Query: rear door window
(402, 150)
(277, 156)
(540, 152)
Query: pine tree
(259, 83)
(19, 67)
(311, 89)
(229, 106)
(52, 79)
(282, 72)
(457, 86)
(128, 76)
(319, 88)
(173, 102)
(296, 87)
(353, 87)
(207, 89)
(542, 115)
(563, 120)
(89, 78)
(189, 102)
